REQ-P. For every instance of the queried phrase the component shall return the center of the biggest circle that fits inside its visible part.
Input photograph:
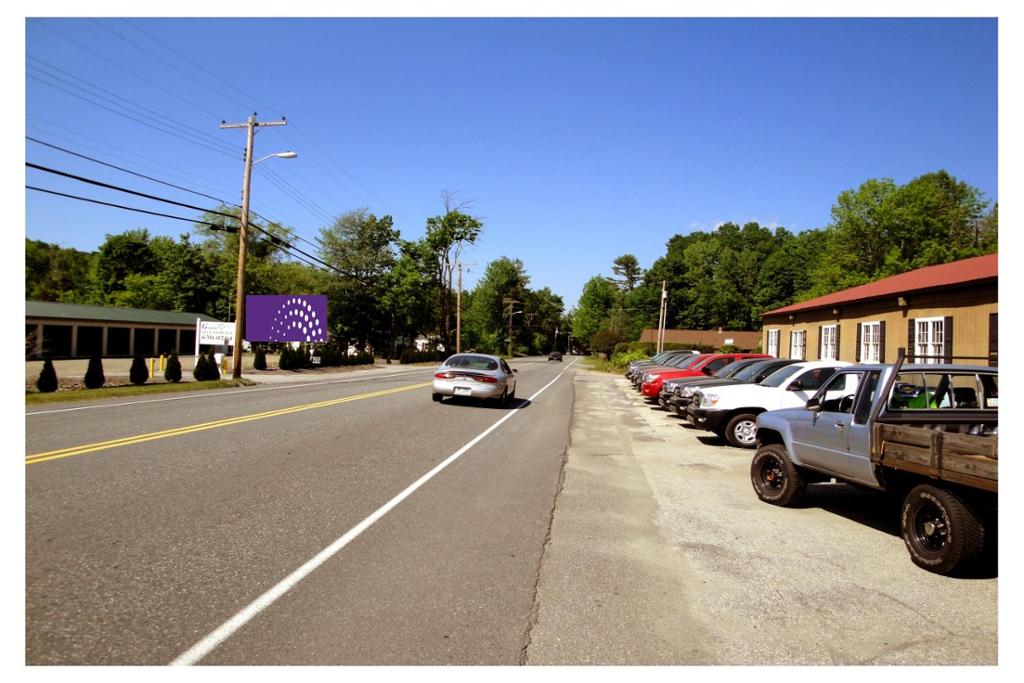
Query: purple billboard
(286, 317)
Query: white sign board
(217, 334)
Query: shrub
(604, 341)
(214, 369)
(138, 374)
(47, 381)
(260, 361)
(94, 378)
(287, 360)
(172, 373)
(202, 369)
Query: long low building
(716, 339)
(944, 313)
(55, 330)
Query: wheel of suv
(742, 431)
(775, 478)
(940, 530)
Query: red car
(650, 386)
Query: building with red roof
(943, 313)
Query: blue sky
(576, 140)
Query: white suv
(731, 411)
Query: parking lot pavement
(660, 553)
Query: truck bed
(959, 458)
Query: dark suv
(555, 355)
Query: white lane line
(221, 394)
(229, 627)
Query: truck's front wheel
(741, 431)
(775, 478)
(940, 530)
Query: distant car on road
(475, 375)
(555, 355)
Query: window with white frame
(773, 343)
(871, 342)
(798, 344)
(829, 343)
(929, 340)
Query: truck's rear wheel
(940, 530)
(775, 478)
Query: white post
(199, 324)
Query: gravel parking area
(661, 553)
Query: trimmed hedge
(47, 381)
(139, 373)
(172, 373)
(414, 356)
(94, 378)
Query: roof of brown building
(714, 338)
(962, 272)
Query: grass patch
(602, 365)
(131, 390)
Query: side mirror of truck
(813, 404)
(796, 385)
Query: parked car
(555, 355)
(474, 375)
(927, 433)
(669, 388)
(653, 378)
(731, 411)
(677, 361)
(754, 373)
(633, 366)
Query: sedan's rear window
(472, 362)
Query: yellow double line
(153, 436)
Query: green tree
(627, 272)
(362, 247)
(121, 256)
(596, 301)
(446, 236)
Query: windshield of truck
(760, 370)
(777, 379)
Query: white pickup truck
(731, 411)
(923, 433)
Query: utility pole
(458, 307)
(662, 317)
(243, 238)
(511, 303)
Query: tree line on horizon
(383, 291)
(728, 277)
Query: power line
(313, 144)
(157, 116)
(149, 124)
(272, 240)
(109, 146)
(128, 71)
(125, 170)
(140, 156)
(125, 190)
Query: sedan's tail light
(486, 379)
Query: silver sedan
(475, 375)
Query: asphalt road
(155, 528)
